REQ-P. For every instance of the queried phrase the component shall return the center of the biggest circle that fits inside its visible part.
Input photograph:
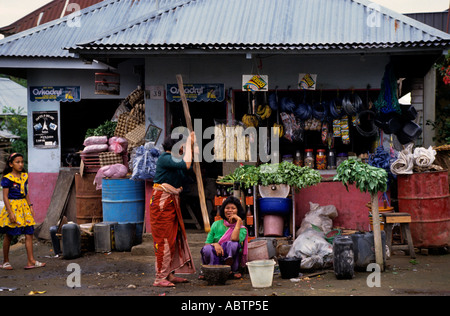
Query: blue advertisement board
(55, 93)
(209, 92)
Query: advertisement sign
(55, 93)
(210, 92)
(45, 129)
(307, 81)
(255, 83)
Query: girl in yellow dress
(17, 216)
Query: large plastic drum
(426, 197)
(123, 200)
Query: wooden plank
(58, 203)
(196, 164)
(398, 219)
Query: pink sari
(227, 237)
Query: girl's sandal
(163, 283)
(7, 266)
(37, 264)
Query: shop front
(323, 89)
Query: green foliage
(280, 173)
(441, 126)
(16, 123)
(365, 177)
(106, 129)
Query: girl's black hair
(10, 159)
(235, 201)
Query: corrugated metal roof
(134, 25)
(49, 12)
(268, 24)
(12, 95)
(49, 40)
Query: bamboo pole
(377, 231)
(196, 164)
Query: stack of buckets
(123, 202)
(273, 206)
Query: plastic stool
(403, 219)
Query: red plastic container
(426, 197)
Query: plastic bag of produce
(315, 251)
(118, 144)
(320, 216)
(95, 140)
(95, 148)
(144, 162)
(116, 171)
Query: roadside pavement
(132, 274)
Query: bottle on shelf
(250, 222)
(321, 160)
(309, 158)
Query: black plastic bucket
(289, 267)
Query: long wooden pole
(196, 164)
(377, 232)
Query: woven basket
(125, 124)
(110, 158)
(136, 137)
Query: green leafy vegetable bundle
(280, 173)
(365, 177)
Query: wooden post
(377, 231)
(196, 164)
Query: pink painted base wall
(41, 187)
(351, 205)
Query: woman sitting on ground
(227, 241)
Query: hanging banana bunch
(264, 112)
(278, 130)
(250, 120)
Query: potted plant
(367, 179)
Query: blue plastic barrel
(123, 200)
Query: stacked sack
(112, 157)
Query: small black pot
(289, 267)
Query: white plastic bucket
(261, 272)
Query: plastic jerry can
(124, 234)
(104, 236)
(71, 240)
(343, 261)
(364, 249)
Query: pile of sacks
(113, 157)
(420, 160)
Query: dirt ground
(132, 274)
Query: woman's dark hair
(235, 201)
(168, 142)
(10, 159)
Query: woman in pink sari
(228, 239)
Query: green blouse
(218, 229)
